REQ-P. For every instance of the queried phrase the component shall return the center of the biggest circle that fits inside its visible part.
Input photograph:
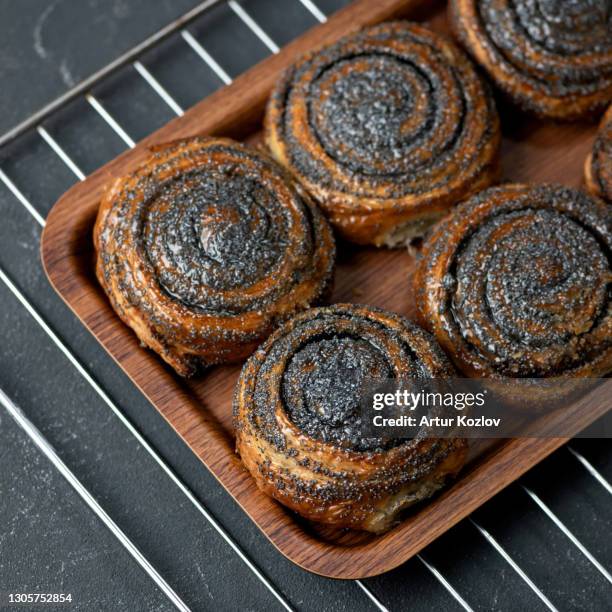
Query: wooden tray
(200, 409)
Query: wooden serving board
(200, 409)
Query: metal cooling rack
(36, 122)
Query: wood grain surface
(200, 409)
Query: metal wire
(253, 26)
(577, 543)
(123, 60)
(45, 447)
(379, 605)
(446, 584)
(97, 105)
(158, 88)
(60, 152)
(208, 59)
(143, 442)
(21, 198)
(314, 9)
(198, 48)
(495, 544)
(590, 468)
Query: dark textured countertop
(50, 540)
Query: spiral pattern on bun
(297, 416)
(387, 129)
(598, 166)
(517, 283)
(206, 247)
(552, 57)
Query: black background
(49, 539)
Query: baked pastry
(598, 166)
(298, 419)
(206, 247)
(387, 129)
(552, 58)
(516, 283)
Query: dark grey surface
(45, 527)
(62, 546)
(50, 45)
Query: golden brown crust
(552, 58)
(297, 418)
(387, 129)
(206, 247)
(515, 283)
(598, 165)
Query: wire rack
(84, 90)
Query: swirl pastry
(551, 57)
(598, 166)
(206, 247)
(387, 129)
(298, 420)
(516, 283)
